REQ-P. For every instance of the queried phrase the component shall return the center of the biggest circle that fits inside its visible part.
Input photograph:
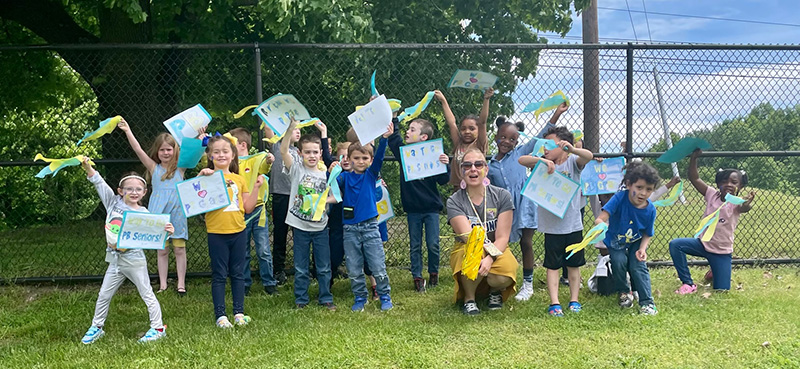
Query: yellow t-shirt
(229, 219)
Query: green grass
(41, 326)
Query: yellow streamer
(303, 124)
(58, 164)
(244, 110)
(473, 253)
(320, 205)
(106, 126)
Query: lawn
(754, 326)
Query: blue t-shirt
(358, 189)
(627, 223)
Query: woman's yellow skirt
(505, 265)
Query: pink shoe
(686, 289)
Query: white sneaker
(525, 292)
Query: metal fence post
(257, 66)
(629, 101)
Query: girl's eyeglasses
(469, 164)
(133, 189)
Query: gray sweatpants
(114, 278)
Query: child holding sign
(422, 203)
(631, 216)
(123, 264)
(161, 162)
(562, 232)
(470, 134)
(719, 248)
(227, 240)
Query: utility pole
(591, 80)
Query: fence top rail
(403, 46)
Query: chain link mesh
(742, 100)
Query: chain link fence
(742, 99)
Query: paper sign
(372, 120)
(188, 123)
(472, 79)
(421, 160)
(203, 194)
(384, 203)
(142, 231)
(602, 177)
(276, 112)
(553, 192)
(191, 152)
(683, 149)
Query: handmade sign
(203, 194)
(371, 121)
(421, 160)
(683, 149)
(552, 102)
(553, 192)
(106, 126)
(709, 223)
(414, 111)
(277, 112)
(384, 203)
(472, 79)
(673, 196)
(191, 152)
(142, 231)
(595, 235)
(303, 124)
(602, 177)
(188, 123)
(58, 164)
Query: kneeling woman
(479, 203)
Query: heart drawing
(202, 194)
(473, 80)
(602, 176)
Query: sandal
(181, 292)
(161, 290)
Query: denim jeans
(226, 252)
(623, 262)
(302, 258)
(431, 223)
(362, 242)
(720, 263)
(261, 239)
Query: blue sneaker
(359, 303)
(386, 302)
(93, 334)
(575, 307)
(153, 334)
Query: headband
(738, 170)
(132, 176)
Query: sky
(700, 88)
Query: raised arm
(530, 162)
(103, 189)
(327, 158)
(150, 164)
(251, 198)
(449, 118)
(288, 160)
(380, 152)
(584, 156)
(694, 176)
(483, 140)
(268, 132)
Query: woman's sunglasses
(469, 164)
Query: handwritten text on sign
(188, 123)
(142, 231)
(553, 192)
(276, 112)
(602, 177)
(371, 121)
(421, 160)
(203, 194)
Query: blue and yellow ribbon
(58, 164)
(106, 126)
(302, 124)
(595, 235)
(709, 223)
(372, 87)
(673, 197)
(541, 144)
(417, 109)
(552, 102)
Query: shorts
(176, 242)
(555, 246)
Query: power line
(631, 18)
(705, 17)
(647, 20)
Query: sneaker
(359, 303)
(223, 322)
(555, 310)
(270, 290)
(419, 284)
(525, 292)
(93, 334)
(153, 334)
(575, 306)
(374, 294)
(563, 281)
(241, 319)
(433, 280)
(495, 301)
(247, 290)
(300, 306)
(386, 302)
(625, 300)
(330, 306)
(686, 289)
(636, 295)
(280, 277)
(649, 309)
(470, 308)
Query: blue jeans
(624, 261)
(261, 239)
(431, 223)
(302, 258)
(720, 263)
(226, 252)
(362, 242)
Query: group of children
(300, 186)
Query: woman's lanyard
(482, 223)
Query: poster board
(371, 121)
(421, 159)
(472, 79)
(141, 230)
(203, 194)
(383, 203)
(277, 111)
(602, 177)
(187, 124)
(553, 192)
